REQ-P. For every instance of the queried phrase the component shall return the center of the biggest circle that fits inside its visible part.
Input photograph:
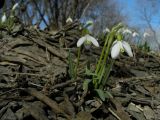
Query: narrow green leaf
(85, 84)
(101, 94)
(71, 66)
(89, 72)
(108, 94)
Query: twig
(113, 113)
(29, 74)
(85, 9)
(9, 91)
(64, 84)
(33, 84)
(40, 13)
(52, 104)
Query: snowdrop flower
(89, 22)
(120, 30)
(127, 31)
(69, 20)
(87, 40)
(107, 30)
(3, 19)
(120, 46)
(135, 34)
(146, 35)
(15, 6)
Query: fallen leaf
(83, 116)
(148, 113)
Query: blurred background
(142, 16)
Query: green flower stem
(111, 39)
(10, 24)
(107, 73)
(114, 29)
(100, 67)
(71, 66)
(103, 65)
(89, 60)
(78, 57)
(102, 54)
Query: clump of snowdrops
(114, 45)
(7, 22)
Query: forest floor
(35, 83)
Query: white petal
(69, 20)
(81, 41)
(135, 34)
(15, 6)
(115, 50)
(120, 30)
(127, 31)
(127, 48)
(3, 19)
(146, 34)
(114, 42)
(89, 22)
(93, 40)
(107, 30)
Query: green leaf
(101, 73)
(89, 72)
(108, 94)
(85, 31)
(85, 84)
(88, 23)
(71, 66)
(101, 94)
(10, 24)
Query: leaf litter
(35, 82)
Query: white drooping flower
(89, 22)
(135, 34)
(3, 19)
(127, 31)
(124, 31)
(87, 40)
(120, 46)
(146, 35)
(107, 30)
(69, 20)
(15, 6)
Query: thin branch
(41, 15)
(85, 9)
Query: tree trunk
(56, 13)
